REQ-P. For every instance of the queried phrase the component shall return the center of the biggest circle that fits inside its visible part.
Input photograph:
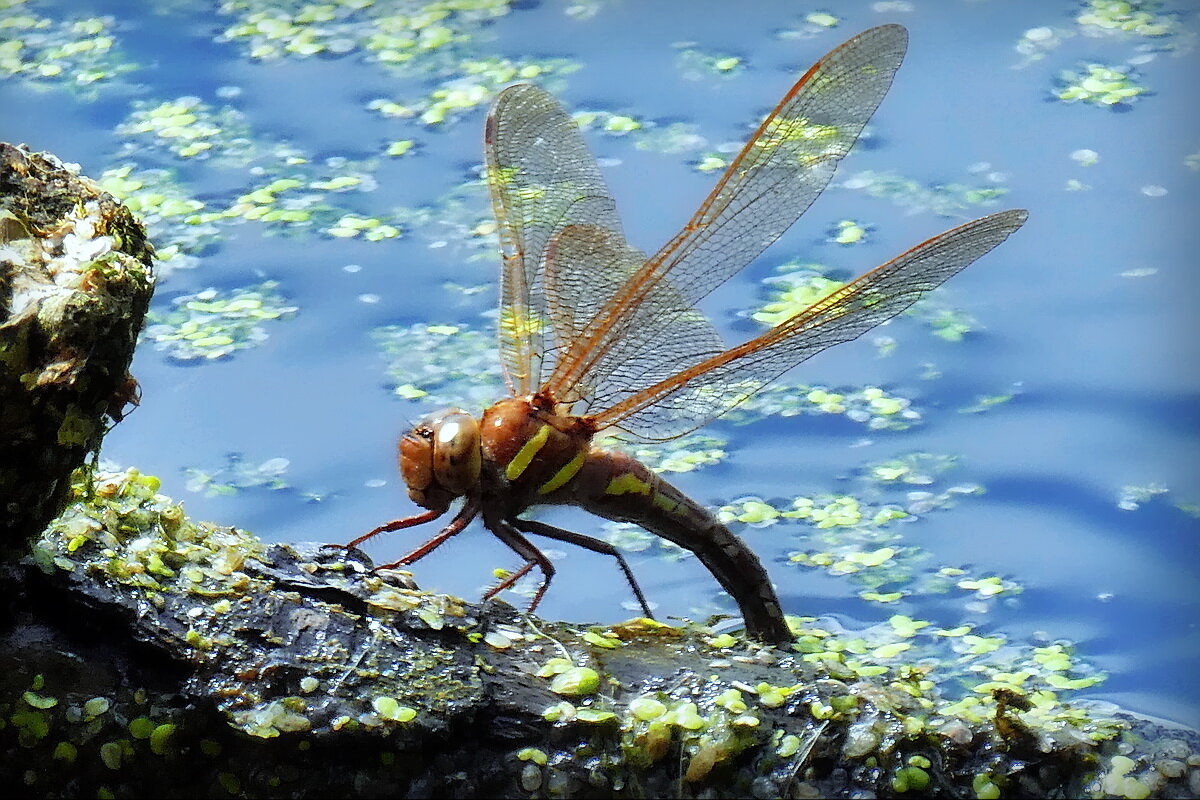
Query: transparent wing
(708, 389)
(781, 170)
(607, 262)
(542, 178)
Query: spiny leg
(395, 525)
(588, 543)
(456, 526)
(526, 550)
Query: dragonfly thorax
(440, 458)
(530, 450)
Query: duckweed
(576, 682)
(170, 214)
(1127, 16)
(910, 779)
(646, 708)
(532, 754)
(914, 469)
(79, 54)
(870, 405)
(685, 454)
(607, 641)
(1036, 43)
(400, 147)
(413, 37)
(390, 709)
(238, 475)
(812, 24)
(441, 365)
(475, 84)
(1099, 85)
(696, 64)
(65, 752)
(187, 127)
(1130, 498)
(985, 787)
(213, 324)
(848, 231)
(608, 122)
(595, 716)
(710, 162)
(944, 199)
(794, 287)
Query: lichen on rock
(76, 278)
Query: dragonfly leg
(456, 526)
(534, 557)
(588, 543)
(395, 525)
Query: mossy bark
(147, 655)
(75, 283)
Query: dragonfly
(598, 336)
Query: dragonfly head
(440, 458)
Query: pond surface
(1013, 463)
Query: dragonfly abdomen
(617, 486)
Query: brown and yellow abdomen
(617, 486)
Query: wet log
(143, 653)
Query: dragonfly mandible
(596, 335)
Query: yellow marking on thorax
(525, 455)
(563, 475)
(627, 483)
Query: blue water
(1086, 315)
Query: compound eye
(456, 453)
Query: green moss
(77, 428)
